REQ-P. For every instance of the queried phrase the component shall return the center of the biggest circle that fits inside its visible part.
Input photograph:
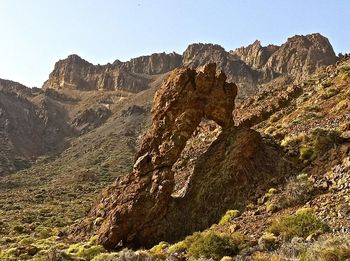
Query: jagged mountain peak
(248, 66)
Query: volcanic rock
(139, 209)
(138, 202)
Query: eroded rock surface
(140, 210)
(136, 204)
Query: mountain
(248, 67)
(271, 182)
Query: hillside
(288, 148)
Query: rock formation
(236, 70)
(254, 54)
(133, 76)
(302, 55)
(138, 202)
(139, 209)
(248, 67)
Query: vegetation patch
(302, 224)
(318, 142)
(335, 248)
(212, 245)
(229, 216)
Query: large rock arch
(139, 201)
(139, 210)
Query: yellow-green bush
(328, 93)
(302, 224)
(229, 216)
(159, 250)
(325, 139)
(316, 143)
(345, 69)
(212, 245)
(184, 244)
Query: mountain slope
(99, 127)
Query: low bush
(212, 245)
(298, 190)
(302, 224)
(325, 139)
(328, 93)
(229, 216)
(316, 143)
(332, 249)
(159, 250)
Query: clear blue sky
(36, 33)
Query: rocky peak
(198, 54)
(14, 87)
(254, 54)
(249, 67)
(237, 71)
(156, 63)
(76, 73)
(302, 55)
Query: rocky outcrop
(136, 204)
(254, 54)
(156, 63)
(91, 118)
(302, 55)
(248, 67)
(140, 208)
(236, 70)
(133, 76)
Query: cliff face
(156, 63)
(236, 70)
(248, 67)
(254, 54)
(301, 56)
(133, 76)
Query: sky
(34, 34)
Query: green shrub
(185, 244)
(312, 108)
(271, 207)
(302, 224)
(325, 139)
(297, 191)
(316, 143)
(293, 141)
(212, 245)
(306, 152)
(229, 216)
(106, 257)
(90, 252)
(333, 249)
(328, 93)
(159, 250)
(344, 69)
(267, 241)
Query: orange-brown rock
(136, 204)
(141, 209)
